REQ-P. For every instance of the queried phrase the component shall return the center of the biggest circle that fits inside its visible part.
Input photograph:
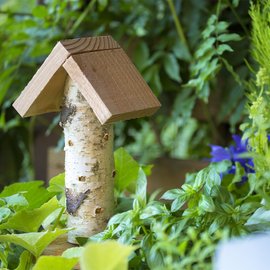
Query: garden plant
(181, 228)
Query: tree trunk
(89, 168)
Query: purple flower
(233, 153)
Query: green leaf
(55, 262)
(228, 37)
(181, 52)
(126, 168)
(34, 242)
(221, 27)
(205, 46)
(172, 67)
(172, 194)
(116, 256)
(40, 11)
(141, 189)
(16, 201)
(223, 48)
(206, 203)
(74, 252)
(34, 192)
(119, 218)
(30, 220)
(147, 169)
(25, 261)
(213, 178)
(4, 213)
(57, 184)
(6, 79)
(141, 55)
(178, 203)
(154, 209)
(260, 220)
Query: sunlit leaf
(30, 220)
(126, 168)
(116, 256)
(55, 262)
(34, 242)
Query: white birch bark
(89, 168)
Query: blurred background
(192, 53)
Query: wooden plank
(45, 90)
(89, 44)
(112, 85)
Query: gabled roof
(106, 77)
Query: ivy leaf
(172, 67)
(34, 192)
(116, 256)
(34, 242)
(57, 184)
(30, 220)
(55, 262)
(126, 168)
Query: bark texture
(88, 166)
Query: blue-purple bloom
(233, 153)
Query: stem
(82, 17)
(178, 25)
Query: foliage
(164, 40)
(181, 229)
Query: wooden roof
(106, 77)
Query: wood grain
(89, 44)
(111, 84)
(44, 92)
(107, 79)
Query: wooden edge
(23, 104)
(89, 44)
(132, 115)
(87, 90)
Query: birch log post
(89, 167)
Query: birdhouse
(106, 77)
(93, 83)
